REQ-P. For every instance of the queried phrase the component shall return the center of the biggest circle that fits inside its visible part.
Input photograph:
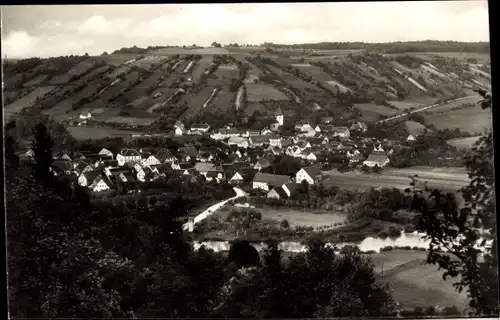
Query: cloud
(96, 28)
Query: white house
(128, 155)
(280, 118)
(100, 184)
(275, 141)
(342, 132)
(304, 127)
(200, 127)
(310, 174)
(265, 181)
(150, 160)
(376, 159)
(238, 141)
(85, 115)
(266, 131)
(179, 131)
(87, 178)
(311, 157)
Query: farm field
(26, 101)
(414, 128)
(61, 109)
(79, 69)
(225, 72)
(404, 105)
(255, 106)
(259, 92)
(186, 51)
(421, 285)
(334, 84)
(118, 58)
(84, 133)
(454, 104)
(200, 67)
(300, 218)
(463, 143)
(148, 61)
(123, 69)
(372, 112)
(195, 102)
(474, 120)
(37, 80)
(224, 100)
(293, 81)
(101, 71)
(133, 121)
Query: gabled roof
(274, 137)
(186, 165)
(259, 139)
(110, 163)
(292, 187)
(214, 174)
(271, 179)
(279, 190)
(236, 140)
(377, 157)
(91, 176)
(312, 171)
(164, 154)
(62, 164)
(204, 166)
(246, 173)
(131, 153)
(81, 165)
(278, 112)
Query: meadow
(26, 101)
(259, 92)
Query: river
(413, 240)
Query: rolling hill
(134, 89)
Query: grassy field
(37, 80)
(258, 92)
(404, 105)
(414, 128)
(148, 61)
(296, 217)
(201, 66)
(185, 51)
(26, 101)
(83, 133)
(463, 143)
(293, 81)
(371, 111)
(255, 106)
(224, 100)
(454, 104)
(131, 120)
(474, 120)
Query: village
(245, 161)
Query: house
(342, 132)
(274, 126)
(291, 188)
(149, 159)
(62, 166)
(311, 156)
(265, 181)
(238, 141)
(309, 174)
(128, 155)
(179, 131)
(303, 144)
(101, 183)
(81, 167)
(108, 164)
(87, 178)
(216, 175)
(140, 174)
(85, 116)
(304, 126)
(105, 152)
(280, 117)
(225, 133)
(356, 158)
(204, 167)
(200, 127)
(258, 141)
(410, 138)
(266, 131)
(164, 155)
(62, 156)
(150, 174)
(242, 176)
(326, 120)
(261, 164)
(376, 159)
(275, 141)
(179, 124)
(277, 193)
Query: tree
(443, 221)
(216, 44)
(42, 148)
(243, 254)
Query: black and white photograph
(249, 160)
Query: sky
(55, 30)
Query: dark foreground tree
(468, 232)
(243, 254)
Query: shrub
(285, 224)
(385, 249)
(430, 311)
(451, 311)
(409, 228)
(349, 249)
(383, 235)
(394, 232)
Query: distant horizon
(49, 31)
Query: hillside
(144, 89)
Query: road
(210, 210)
(423, 109)
(397, 178)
